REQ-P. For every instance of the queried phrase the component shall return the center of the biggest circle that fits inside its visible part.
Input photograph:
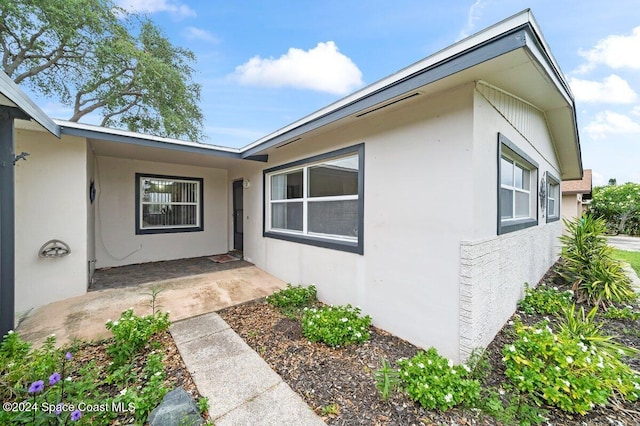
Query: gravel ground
(338, 383)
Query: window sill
(168, 230)
(348, 246)
(504, 227)
(552, 219)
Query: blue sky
(263, 65)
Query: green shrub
(564, 371)
(435, 383)
(626, 313)
(584, 328)
(335, 325)
(35, 381)
(589, 266)
(298, 296)
(132, 332)
(544, 300)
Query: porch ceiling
(163, 155)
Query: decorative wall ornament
(54, 248)
(543, 196)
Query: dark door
(237, 215)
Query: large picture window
(318, 201)
(168, 204)
(553, 198)
(517, 188)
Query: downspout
(7, 217)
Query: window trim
(356, 246)
(551, 179)
(138, 204)
(511, 225)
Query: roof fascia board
(135, 139)
(541, 57)
(515, 21)
(477, 54)
(12, 92)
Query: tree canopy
(95, 57)
(619, 205)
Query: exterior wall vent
(395, 101)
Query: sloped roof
(12, 96)
(511, 54)
(582, 186)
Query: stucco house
(576, 195)
(423, 198)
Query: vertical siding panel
(528, 120)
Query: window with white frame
(553, 198)
(168, 204)
(317, 201)
(517, 188)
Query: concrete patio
(184, 296)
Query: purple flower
(68, 356)
(58, 409)
(75, 416)
(36, 387)
(54, 378)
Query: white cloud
(615, 51)
(322, 68)
(612, 89)
(475, 11)
(152, 6)
(636, 110)
(193, 33)
(611, 123)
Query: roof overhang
(119, 143)
(12, 96)
(511, 55)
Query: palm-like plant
(588, 264)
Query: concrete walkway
(241, 387)
(624, 242)
(84, 316)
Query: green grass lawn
(631, 257)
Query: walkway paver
(241, 387)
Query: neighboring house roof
(11, 95)
(582, 186)
(511, 55)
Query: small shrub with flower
(40, 385)
(562, 370)
(298, 296)
(47, 386)
(131, 332)
(436, 383)
(292, 299)
(335, 325)
(544, 300)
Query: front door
(237, 215)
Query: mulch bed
(338, 383)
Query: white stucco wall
(494, 268)
(51, 203)
(417, 177)
(116, 241)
